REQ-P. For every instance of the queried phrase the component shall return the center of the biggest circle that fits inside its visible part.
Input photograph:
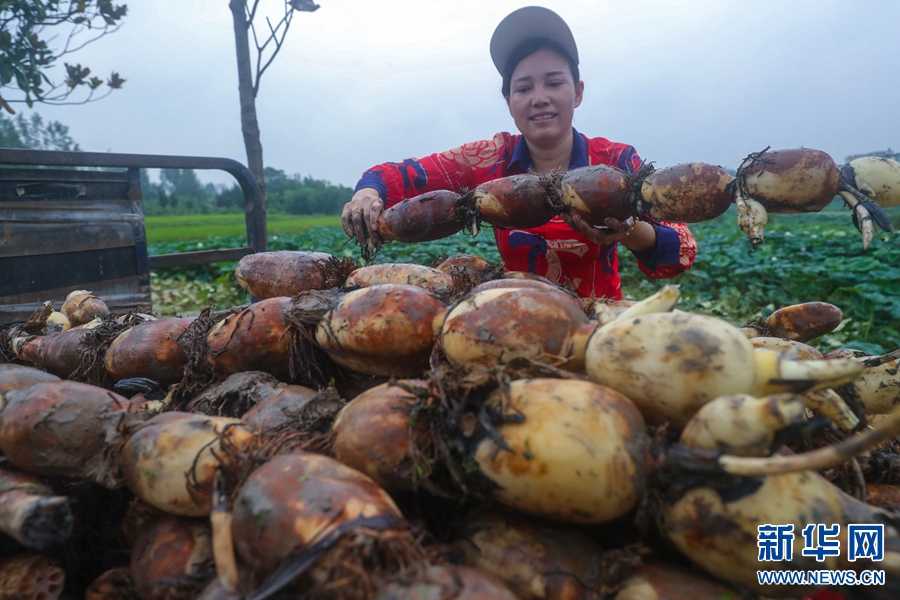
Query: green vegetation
(805, 258)
(195, 228)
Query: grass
(184, 228)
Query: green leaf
(6, 72)
(114, 81)
(22, 81)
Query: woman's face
(542, 98)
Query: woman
(536, 55)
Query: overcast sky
(360, 82)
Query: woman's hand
(360, 218)
(638, 236)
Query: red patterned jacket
(553, 250)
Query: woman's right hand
(360, 218)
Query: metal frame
(254, 210)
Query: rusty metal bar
(204, 257)
(254, 209)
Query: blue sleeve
(371, 179)
(668, 248)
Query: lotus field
(805, 257)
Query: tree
(179, 191)
(292, 194)
(182, 182)
(34, 134)
(27, 28)
(267, 46)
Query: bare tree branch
(277, 35)
(251, 13)
(58, 100)
(90, 41)
(273, 37)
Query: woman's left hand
(638, 236)
(613, 231)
